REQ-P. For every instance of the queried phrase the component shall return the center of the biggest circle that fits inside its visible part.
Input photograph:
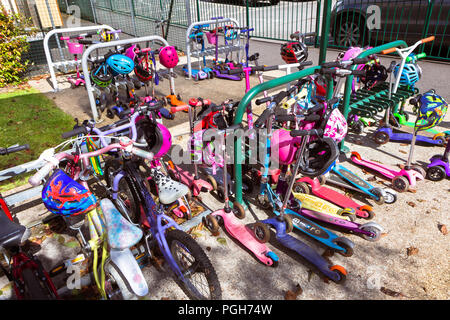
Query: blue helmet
(120, 64)
(63, 195)
(410, 75)
(432, 110)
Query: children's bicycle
(29, 279)
(116, 273)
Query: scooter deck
(389, 173)
(313, 230)
(245, 236)
(345, 178)
(333, 196)
(318, 204)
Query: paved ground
(410, 261)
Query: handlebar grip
(332, 64)
(313, 117)
(74, 132)
(302, 133)
(64, 38)
(391, 66)
(360, 73)
(361, 60)
(216, 18)
(428, 39)
(36, 179)
(215, 107)
(175, 109)
(263, 118)
(306, 63)
(86, 41)
(328, 71)
(318, 107)
(18, 148)
(142, 153)
(285, 117)
(270, 68)
(114, 31)
(166, 114)
(388, 51)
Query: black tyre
(35, 289)
(238, 210)
(301, 187)
(436, 173)
(116, 285)
(400, 184)
(349, 30)
(378, 193)
(419, 169)
(261, 232)
(381, 137)
(127, 201)
(200, 279)
(211, 224)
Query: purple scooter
(439, 166)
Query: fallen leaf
(391, 293)
(222, 241)
(421, 200)
(292, 295)
(412, 190)
(412, 204)
(411, 251)
(443, 229)
(71, 244)
(403, 151)
(208, 248)
(165, 298)
(373, 178)
(384, 234)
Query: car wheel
(349, 32)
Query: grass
(28, 116)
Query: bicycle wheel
(116, 285)
(127, 201)
(34, 288)
(201, 281)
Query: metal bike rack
(52, 65)
(115, 43)
(211, 50)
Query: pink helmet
(287, 145)
(168, 56)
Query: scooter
(439, 166)
(432, 110)
(269, 198)
(283, 222)
(307, 185)
(229, 218)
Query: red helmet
(294, 52)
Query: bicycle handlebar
(297, 35)
(125, 143)
(6, 151)
(302, 133)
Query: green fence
(352, 22)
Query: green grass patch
(28, 116)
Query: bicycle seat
(11, 234)
(169, 190)
(122, 234)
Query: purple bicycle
(191, 267)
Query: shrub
(13, 44)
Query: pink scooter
(229, 218)
(75, 48)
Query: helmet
(63, 195)
(168, 57)
(318, 157)
(142, 71)
(410, 75)
(120, 64)
(294, 52)
(105, 36)
(101, 76)
(334, 125)
(432, 110)
(374, 73)
(157, 137)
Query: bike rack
(115, 43)
(211, 50)
(64, 63)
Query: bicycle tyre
(113, 272)
(177, 240)
(126, 187)
(34, 289)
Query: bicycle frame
(152, 216)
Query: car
(354, 22)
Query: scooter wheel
(212, 181)
(261, 232)
(347, 213)
(436, 173)
(390, 197)
(322, 180)
(220, 193)
(340, 270)
(419, 170)
(368, 210)
(344, 243)
(440, 138)
(400, 184)
(356, 155)
(301, 187)
(378, 193)
(212, 224)
(381, 137)
(288, 222)
(238, 210)
(376, 232)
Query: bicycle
(29, 279)
(118, 276)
